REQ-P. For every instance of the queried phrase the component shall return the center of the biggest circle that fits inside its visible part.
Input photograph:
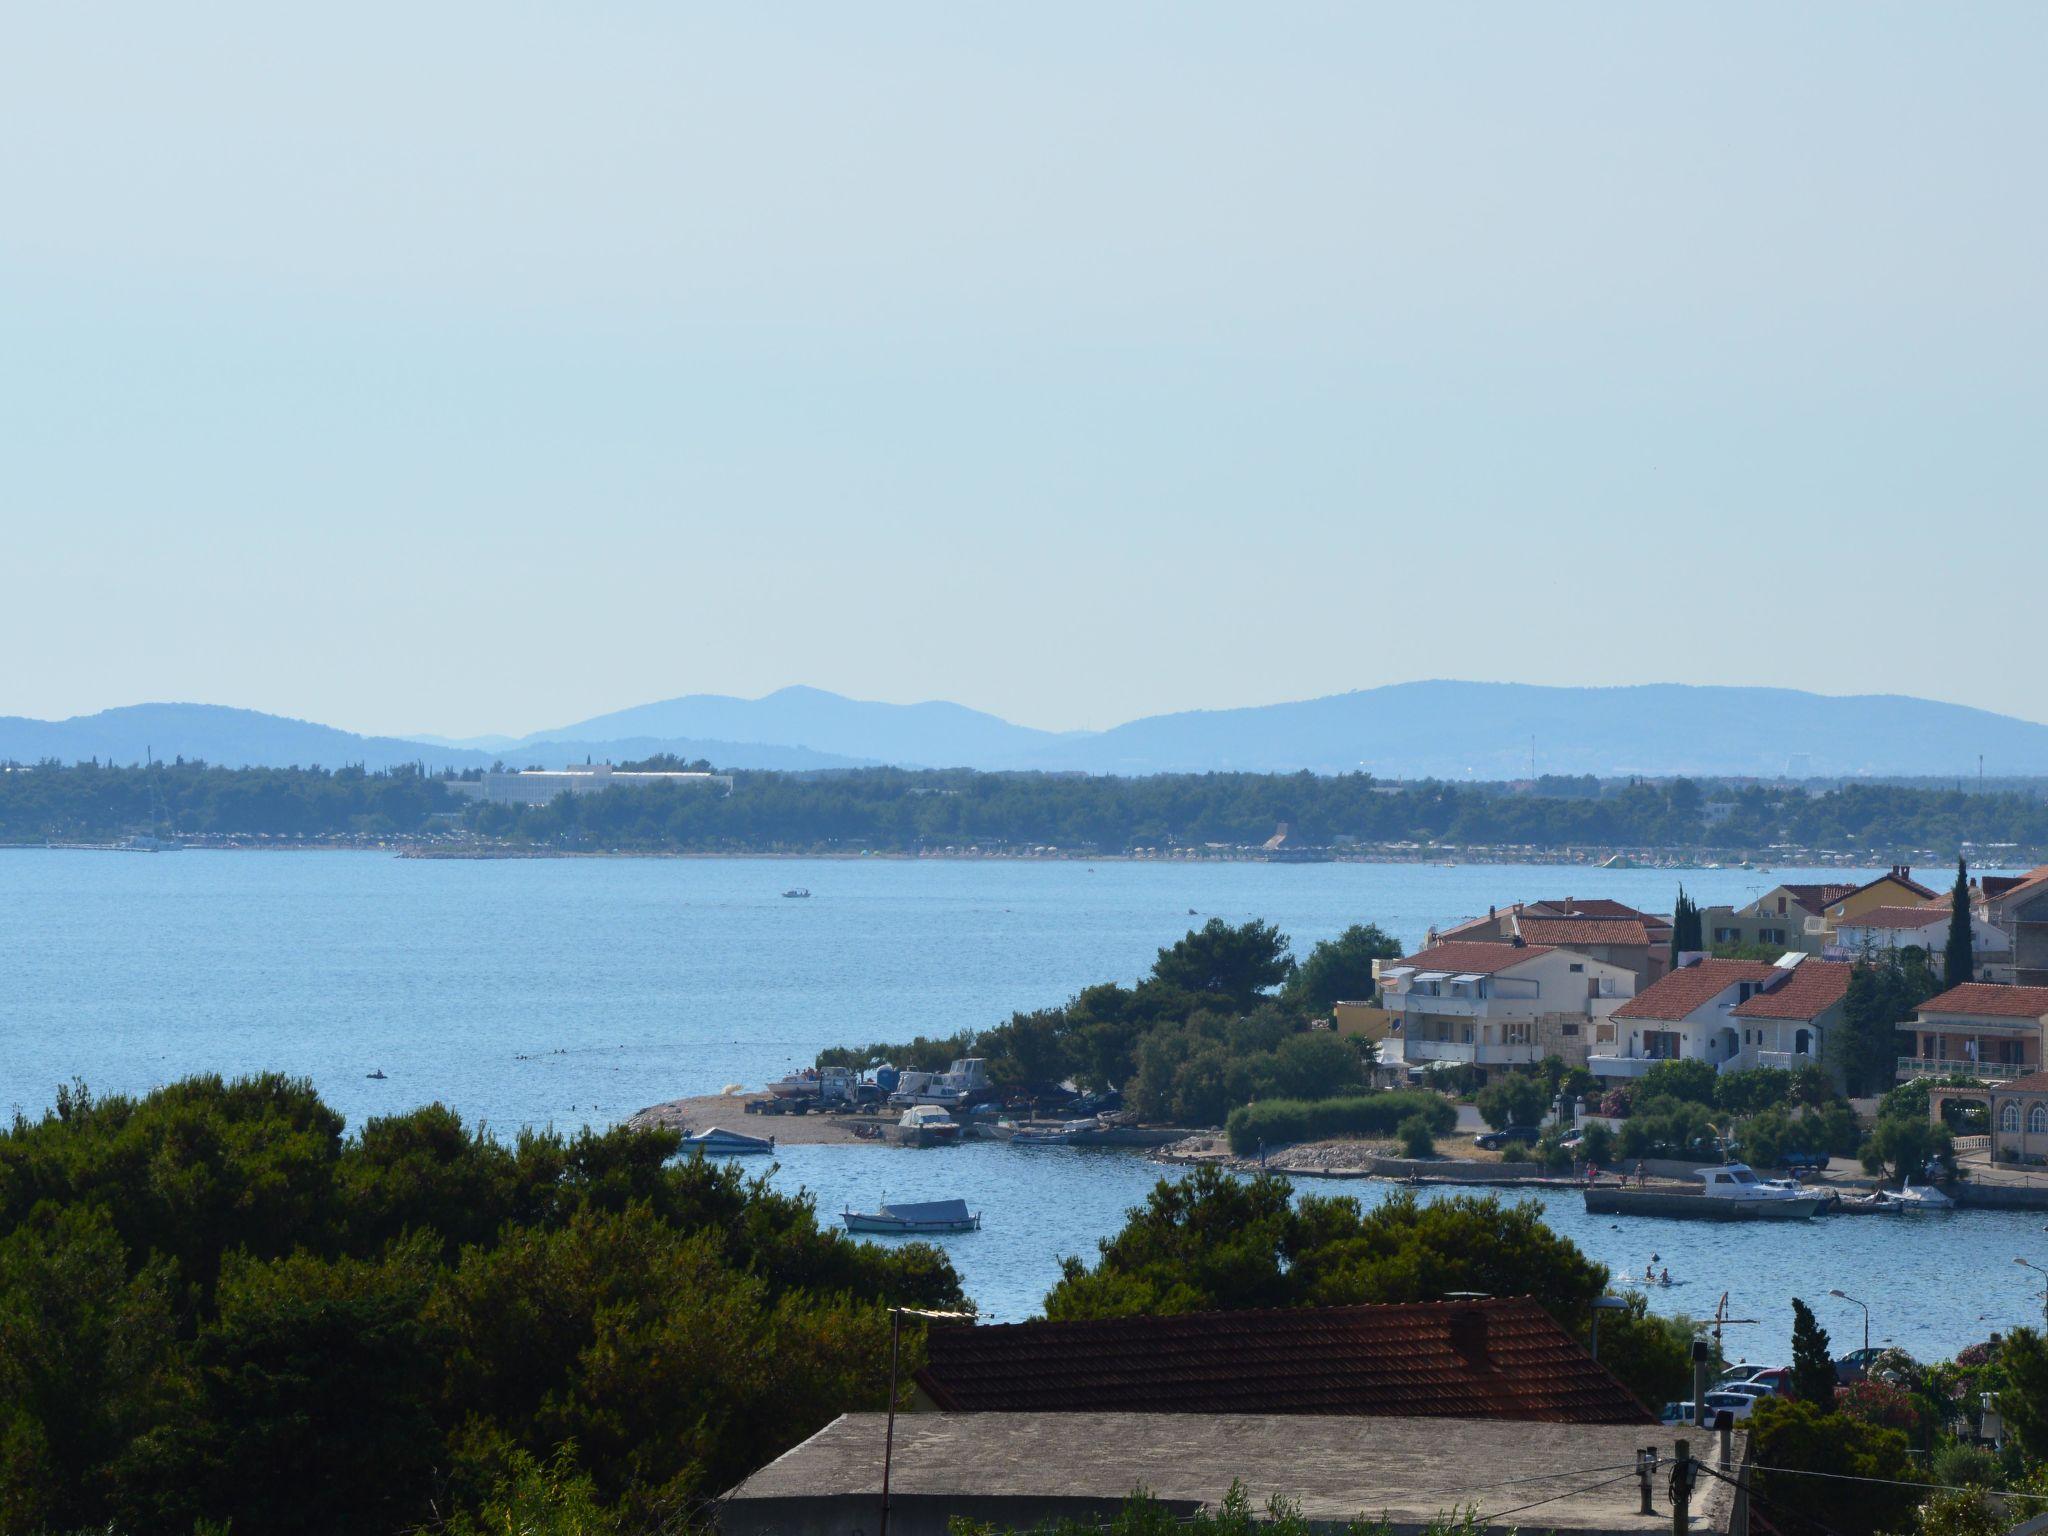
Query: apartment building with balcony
(1497, 1004)
(1723, 1012)
(1977, 1030)
(2018, 907)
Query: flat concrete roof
(1022, 1467)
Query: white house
(1883, 931)
(1499, 1005)
(1733, 1014)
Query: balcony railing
(1984, 1071)
(1436, 1050)
(1622, 1066)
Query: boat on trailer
(922, 1217)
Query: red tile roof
(1494, 1359)
(1598, 906)
(1813, 987)
(2033, 1082)
(1899, 917)
(1572, 932)
(1676, 994)
(1990, 999)
(2024, 888)
(1474, 957)
(1818, 898)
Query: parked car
(1855, 1365)
(1676, 1413)
(1804, 1162)
(1772, 1376)
(1740, 1404)
(1493, 1141)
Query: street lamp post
(1604, 1304)
(896, 1316)
(2037, 1269)
(1845, 1296)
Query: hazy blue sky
(480, 367)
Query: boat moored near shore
(1732, 1192)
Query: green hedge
(1277, 1122)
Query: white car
(1738, 1403)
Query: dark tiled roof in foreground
(1495, 1359)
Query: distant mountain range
(1451, 730)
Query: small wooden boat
(718, 1142)
(911, 1220)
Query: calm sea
(564, 992)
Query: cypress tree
(1813, 1365)
(1685, 927)
(1959, 960)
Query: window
(1515, 1033)
(2037, 1120)
(1569, 1030)
(1577, 966)
(2009, 1117)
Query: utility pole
(1681, 1489)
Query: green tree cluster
(215, 1307)
(1223, 1019)
(901, 810)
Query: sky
(478, 368)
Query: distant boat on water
(909, 1220)
(797, 893)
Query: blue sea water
(565, 992)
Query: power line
(1632, 1472)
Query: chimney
(1468, 1337)
(1490, 910)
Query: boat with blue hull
(718, 1142)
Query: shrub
(1276, 1122)
(1686, 1078)
(1598, 1147)
(1417, 1140)
(1517, 1099)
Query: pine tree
(1960, 961)
(1813, 1364)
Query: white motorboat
(958, 1086)
(927, 1125)
(1908, 1198)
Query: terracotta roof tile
(1988, 998)
(1494, 1359)
(2033, 1082)
(1598, 906)
(1569, 932)
(1818, 898)
(1813, 987)
(1474, 957)
(1676, 994)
